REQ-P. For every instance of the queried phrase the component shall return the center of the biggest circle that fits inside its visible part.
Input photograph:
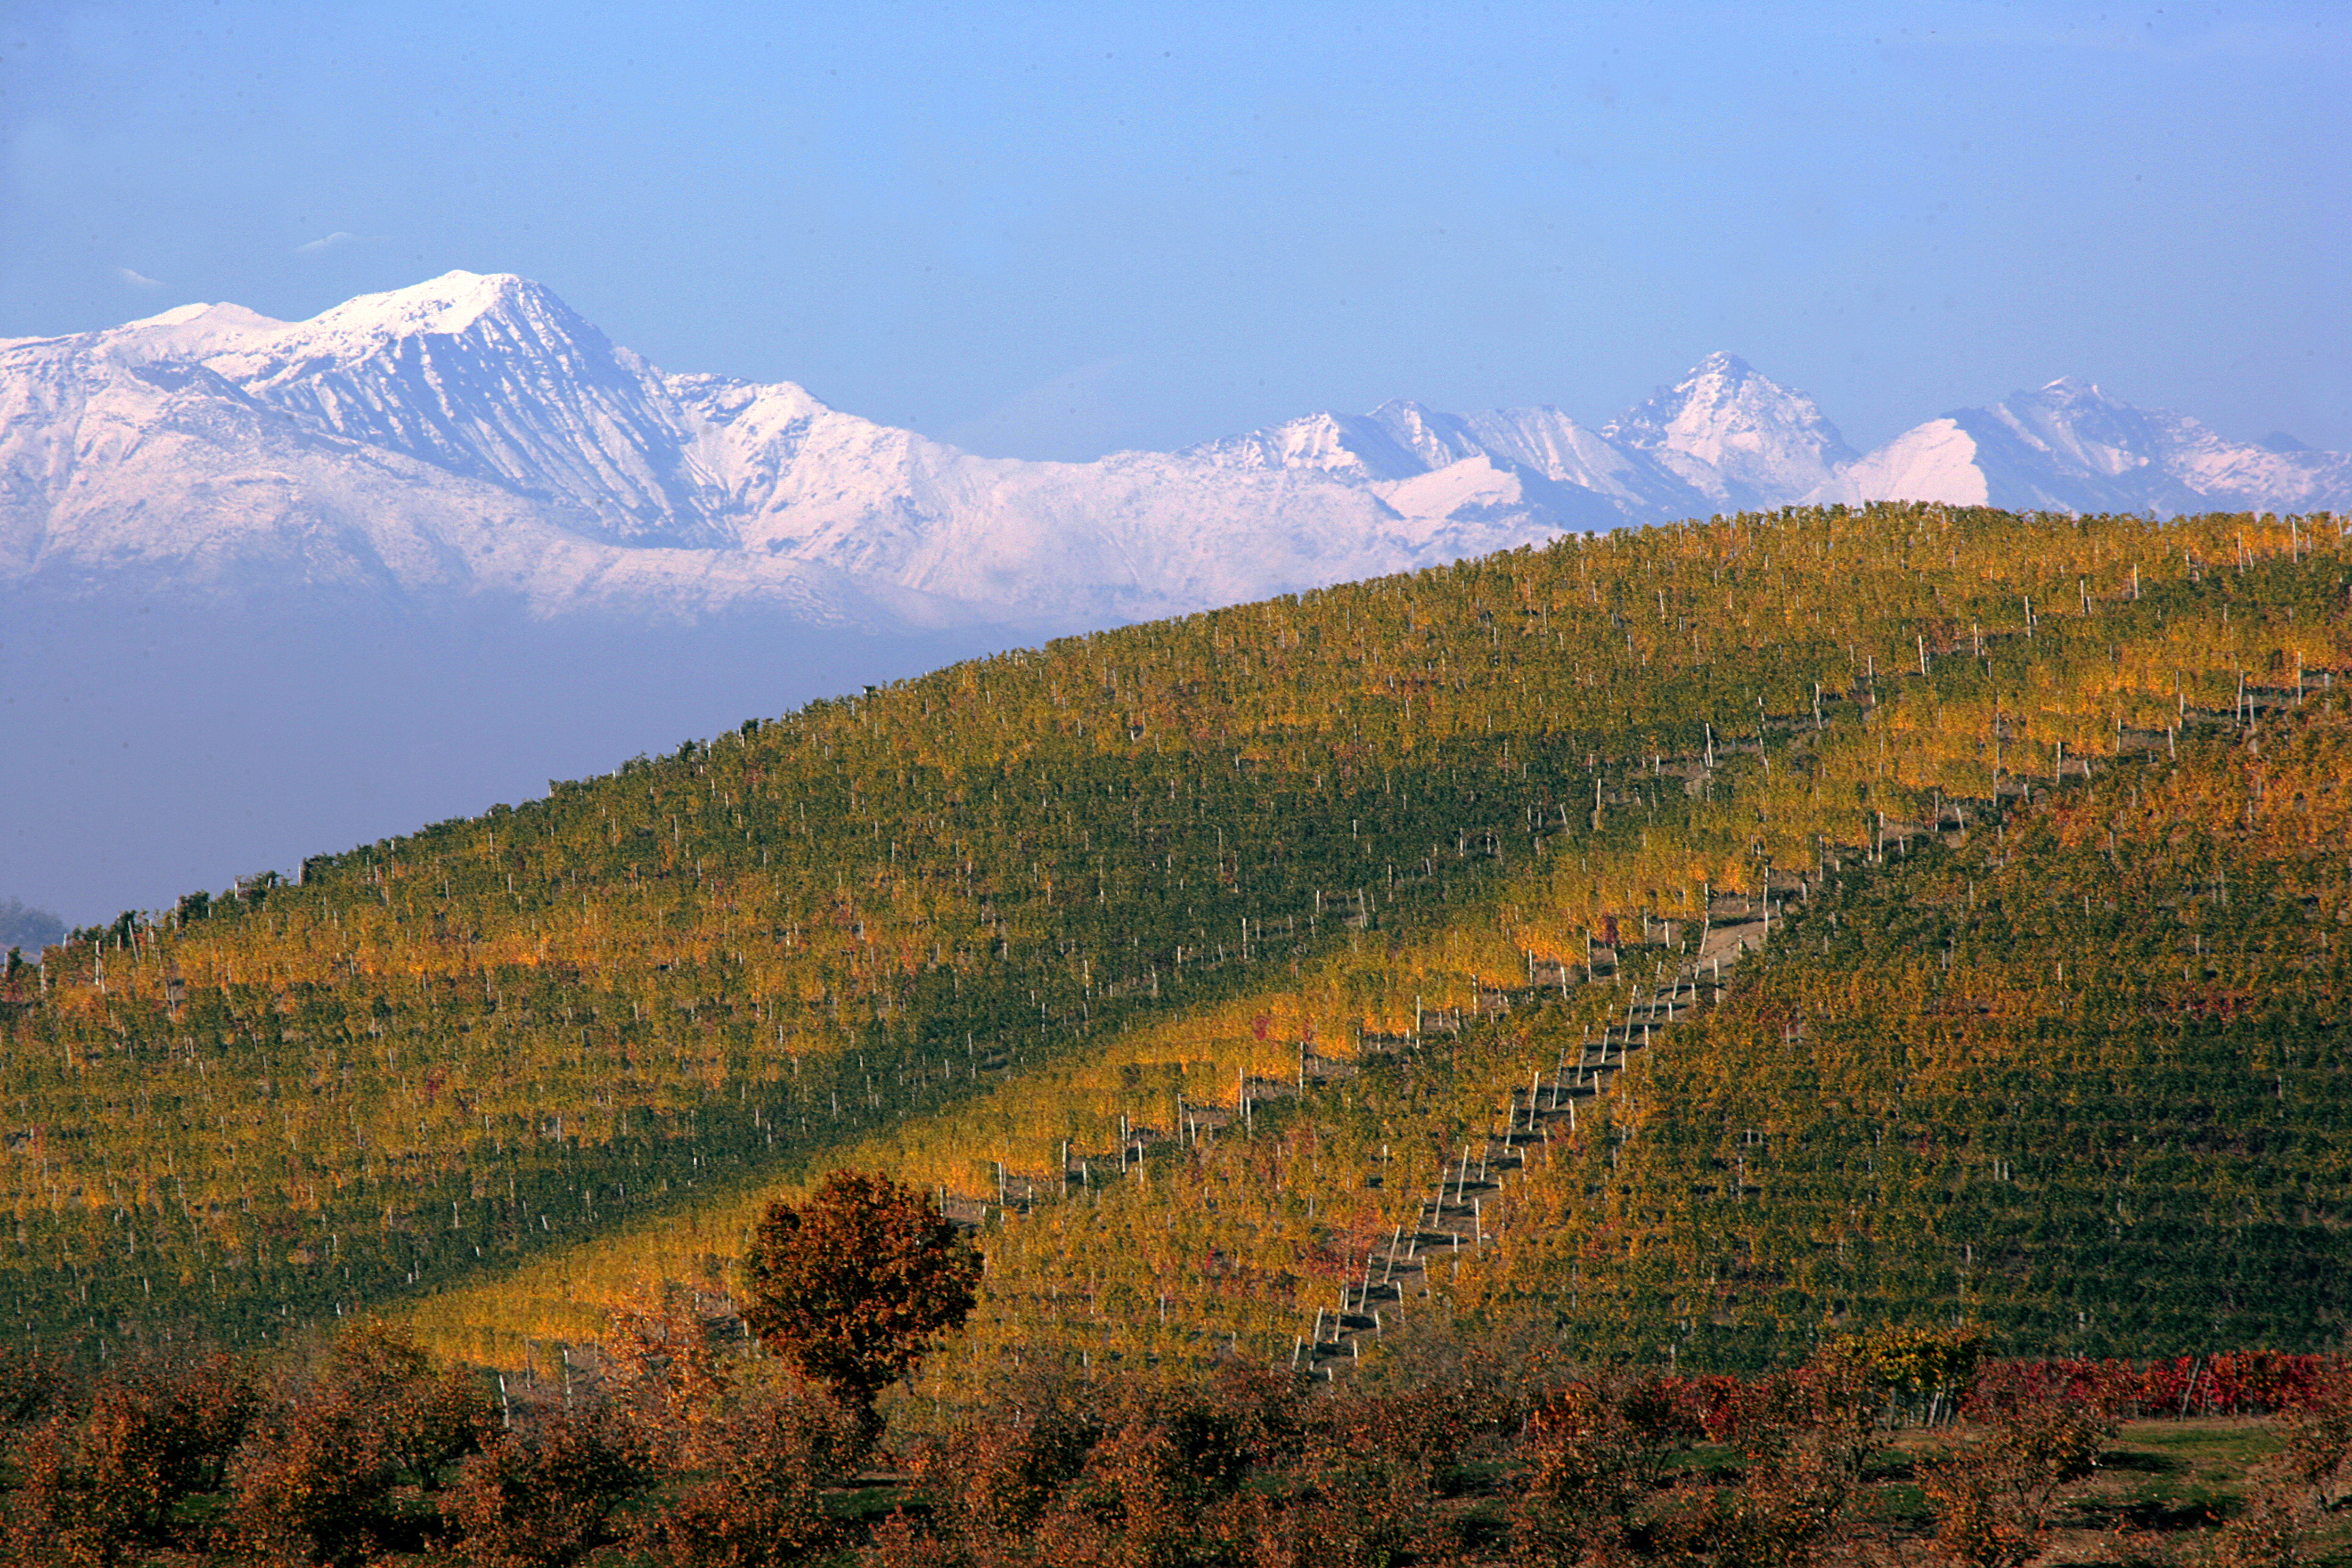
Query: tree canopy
(852, 1286)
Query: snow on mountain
(1722, 438)
(2070, 446)
(473, 435)
(1353, 446)
(1567, 453)
(127, 461)
(189, 331)
(1739, 438)
(493, 378)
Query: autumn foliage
(854, 1285)
(574, 1018)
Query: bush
(321, 1480)
(161, 1431)
(545, 1497)
(1592, 1456)
(1994, 1500)
(58, 1517)
(991, 1482)
(157, 1432)
(759, 1503)
(316, 1486)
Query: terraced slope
(2082, 1077)
(965, 925)
(1296, 1229)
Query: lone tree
(852, 1286)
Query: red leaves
(155, 1432)
(317, 1481)
(852, 1287)
(544, 1499)
(2241, 1383)
(758, 1503)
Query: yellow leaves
(728, 930)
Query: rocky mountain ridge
(473, 437)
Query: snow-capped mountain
(1723, 438)
(1739, 438)
(473, 435)
(1727, 439)
(498, 380)
(486, 544)
(1533, 463)
(2069, 447)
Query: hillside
(510, 1064)
(2078, 1079)
(458, 530)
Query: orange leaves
(854, 1285)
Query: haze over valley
(454, 542)
(1317, 786)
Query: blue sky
(1056, 230)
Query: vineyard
(1189, 961)
(2079, 1080)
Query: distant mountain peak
(454, 305)
(447, 304)
(471, 434)
(177, 316)
(2069, 444)
(491, 376)
(187, 332)
(1734, 434)
(1722, 392)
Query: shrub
(545, 1497)
(1591, 1457)
(759, 1503)
(1994, 1499)
(317, 1481)
(157, 1432)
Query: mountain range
(473, 437)
(271, 586)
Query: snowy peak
(1724, 435)
(183, 333)
(1434, 440)
(1401, 439)
(473, 435)
(1715, 382)
(2082, 427)
(449, 304)
(1355, 446)
(520, 323)
(1736, 436)
(492, 377)
(2069, 445)
(208, 327)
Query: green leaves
(718, 969)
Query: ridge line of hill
(515, 1033)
